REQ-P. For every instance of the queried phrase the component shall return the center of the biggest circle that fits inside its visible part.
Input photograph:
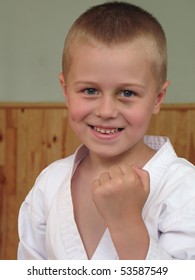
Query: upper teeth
(105, 130)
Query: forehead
(120, 63)
(89, 53)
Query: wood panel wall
(34, 135)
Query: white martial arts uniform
(47, 228)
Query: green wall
(31, 40)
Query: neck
(138, 155)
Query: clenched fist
(119, 196)
(120, 193)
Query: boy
(122, 195)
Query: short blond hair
(115, 23)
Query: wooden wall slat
(191, 136)
(2, 184)
(34, 135)
(179, 126)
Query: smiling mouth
(107, 131)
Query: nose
(107, 107)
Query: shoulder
(169, 173)
(52, 177)
(181, 172)
(59, 168)
(166, 159)
(56, 170)
(177, 185)
(49, 181)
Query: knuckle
(131, 177)
(118, 181)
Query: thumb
(144, 177)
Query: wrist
(131, 241)
(129, 222)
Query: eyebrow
(85, 82)
(119, 85)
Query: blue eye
(90, 91)
(127, 93)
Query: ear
(63, 85)
(160, 97)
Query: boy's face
(111, 95)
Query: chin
(107, 153)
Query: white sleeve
(176, 224)
(157, 252)
(34, 211)
(177, 239)
(32, 224)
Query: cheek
(77, 112)
(138, 118)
